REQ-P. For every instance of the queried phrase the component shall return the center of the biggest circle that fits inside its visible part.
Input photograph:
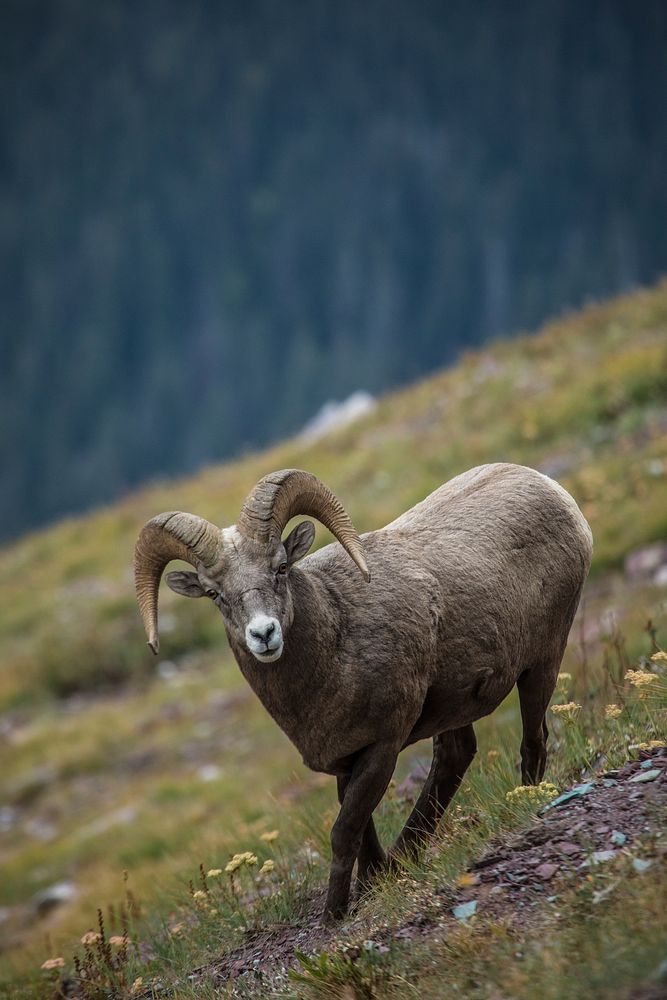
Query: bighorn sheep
(473, 590)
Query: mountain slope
(585, 401)
(112, 762)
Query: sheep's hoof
(330, 917)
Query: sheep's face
(251, 588)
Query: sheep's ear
(299, 541)
(186, 584)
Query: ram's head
(243, 569)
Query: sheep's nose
(264, 632)
(264, 638)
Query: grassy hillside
(112, 762)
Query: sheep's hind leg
(453, 753)
(371, 858)
(535, 689)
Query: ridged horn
(282, 495)
(172, 535)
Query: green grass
(573, 949)
(109, 765)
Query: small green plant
(354, 972)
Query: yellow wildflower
(246, 858)
(649, 745)
(612, 711)
(563, 679)
(199, 894)
(53, 963)
(570, 708)
(213, 872)
(117, 940)
(532, 793)
(176, 929)
(136, 985)
(267, 867)
(492, 754)
(659, 657)
(269, 836)
(467, 879)
(90, 937)
(640, 678)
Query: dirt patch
(600, 822)
(592, 825)
(267, 955)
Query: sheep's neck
(294, 688)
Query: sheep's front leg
(370, 775)
(371, 857)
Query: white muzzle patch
(264, 638)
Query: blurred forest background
(216, 216)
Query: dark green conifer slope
(215, 216)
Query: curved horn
(172, 535)
(282, 495)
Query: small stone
(602, 829)
(546, 871)
(464, 911)
(55, 895)
(568, 848)
(640, 865)
(166, 669)
(574, 793)
(618, 838)
(40, 829)
(8, 817)
(645, 562)
(599, 857)
(208, 772)
(646, 776)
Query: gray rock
(334, 415)
(8, 817)
(40, 829)
(647, 562)
(55, 895)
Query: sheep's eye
(212, 593)
(282, 569)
